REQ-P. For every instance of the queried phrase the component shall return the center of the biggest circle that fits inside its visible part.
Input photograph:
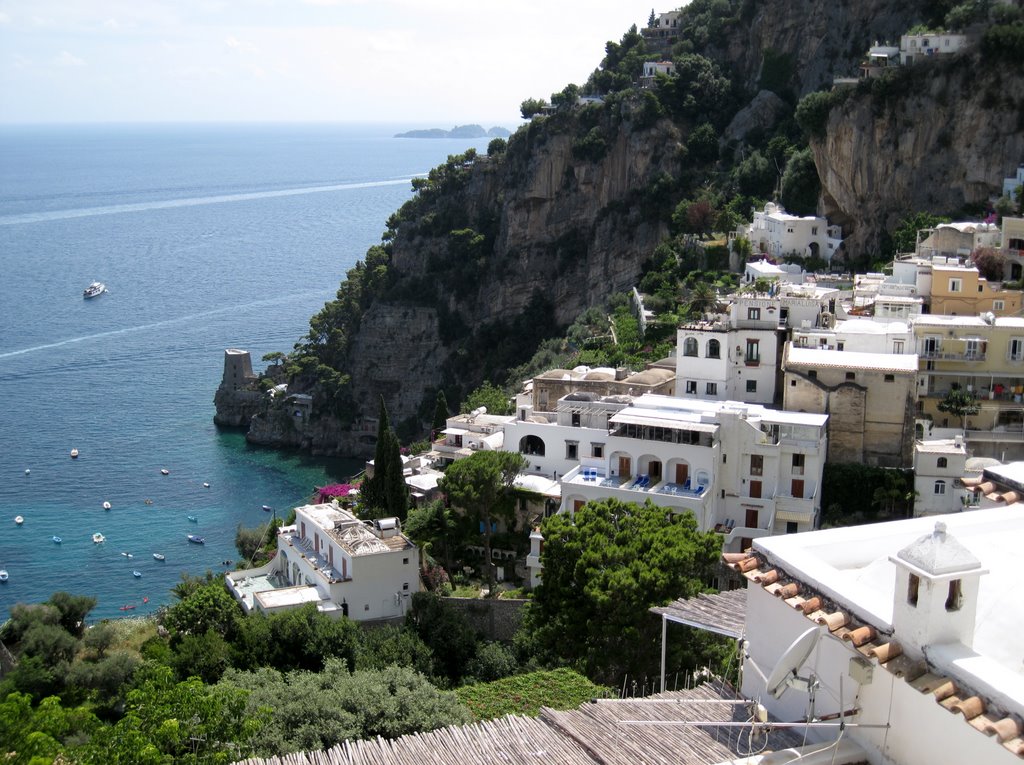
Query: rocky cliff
(496, 253)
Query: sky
(432, 62)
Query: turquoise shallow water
(207, 237)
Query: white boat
(164, 471)
(106, 505)
(159, 556)
(94, 290)
(74, 454)
(206, 485)
(136, 574)
(57, 540)
(98, 537)
(3, 575)
(127, 555)
(19, 520)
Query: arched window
(531, 445)
(940, 487)
(940, 462)
(714, 349)
(690, 346)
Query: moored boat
(74, 454)
(127, 607)
(136, 574)
(18, 520)
(196, 539)
(57, 540)
(106, 505)
(193, 519)
(164, 471)
(159, 556)
(267, 508)
(3, 575)
(97, 538)
(94, 290)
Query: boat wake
(88, 212)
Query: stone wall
(497, 619)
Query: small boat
(206, 485)
(57, 540)
(28, 472)
(137, 574)
(196, 539)
(127, 555)
(74, 454)
(106, 505)
(159, 556)
(127, 608)
(193, 519)
(3, 575)
(145, 599)
(97, 538)
(18, 520)
(267, 508)
(148, 501)
(164, 471)
(94, 290)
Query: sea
(207, 237)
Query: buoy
(106, 505)
(74, 454)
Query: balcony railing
(935, 355)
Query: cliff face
(942, 144)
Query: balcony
(938, 355)
(752, 361)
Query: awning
(723, 613)
(455, 431)
(658, 420)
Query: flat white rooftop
(872, 327)
(941, 446)
(699, 410)
(937, 320)
(891, 362)
(852, 566)
(288, 596)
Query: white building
(858, 335)
(467, 433)
(741, 469)
(652, 69)
(1010, 184)
(365, 570)
(776, 233)
(939, 465)
(917, 47)
(910, 630)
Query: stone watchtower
(936, 597)
(238, 374)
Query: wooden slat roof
(722, 612)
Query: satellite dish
(785, 673)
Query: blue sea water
(208, 237)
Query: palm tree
(703, 299)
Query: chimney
(620, 374)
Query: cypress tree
(396, 497)
(373, 497)
(440, 413)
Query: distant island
(459, 131)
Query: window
(798, 464)
(890, 378)
(941, 462)
(575, 419)
(801, 341)
(1016, 349)
(956, 285)
(405, 586)
(791, 527)
(940, 487)
(751, 386)
(754, 314)
(974, 349)
(812, 373)
(714, 349)
(756, 464)
(572, 450)
(851, 376)
(405, 561)
(691, 386)
(597, 450)
(998, 305)
(753, 356)
(840, 346)
(712, 389)
(814, 230)
(913, 587)
(955, 598)
(690, 346)
(897, 346)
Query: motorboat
(127, 608)
(196, 539)
(18, 520)
(57, 540)
(3, 575)
(74, 454)
(137, 574)
(106, 505)
(159, 556)
(127, 555)
(94, 290)
(164, 471)
(267, 508)
(97, 538)
(193, 519)
(206, 485)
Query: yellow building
(982, 355)
(962, 291)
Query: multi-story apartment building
(983, 355)
(962, 291)
(939, 464)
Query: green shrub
(526, 694)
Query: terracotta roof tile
(788, 591)
(980, 722)
(949, 702)
(1004, 730)
(809, 605)
(747, 564)
(969, 707)
(1015, 745)
(766, 577)
(886, 651)
(834, 620)
(861, 635)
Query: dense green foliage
(526, 694)
(904, 237)
(853, 493)
(604, 567)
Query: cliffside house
(776, 233)
(917, 47)
(652, 69)
(365, 570)
(664, 31)
(464, 434)
(1013, 248)
(741, 469)
(549, 387)
(878, 59)
(869, 397)
(956, 240)
(1011, 184)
